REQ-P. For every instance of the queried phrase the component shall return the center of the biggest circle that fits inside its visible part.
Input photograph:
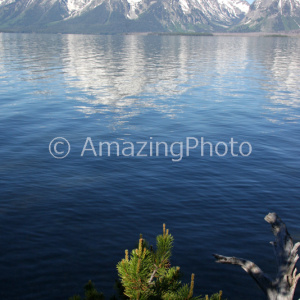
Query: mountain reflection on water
(128, 73)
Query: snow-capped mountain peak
(141, 15)
(272, 15)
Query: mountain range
(124, 16)
(272, 15)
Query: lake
(67, 220)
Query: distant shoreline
(240, 34)
(208, 34)
(246, 34)
(257, 34)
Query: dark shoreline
(258, 34)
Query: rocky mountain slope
(122, 16)
(272, 16)
(112, 16)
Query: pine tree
(147, 274)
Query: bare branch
(284, 285)
(296, 247)
(296, 280)
(153, 274)
(251, 268)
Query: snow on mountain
(129, 15)
(231, 5)
(6, 2)
(76, 5)
(272, 15)
(133, 6)
(226, 11)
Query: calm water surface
(65, 221)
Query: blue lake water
(65, 221)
